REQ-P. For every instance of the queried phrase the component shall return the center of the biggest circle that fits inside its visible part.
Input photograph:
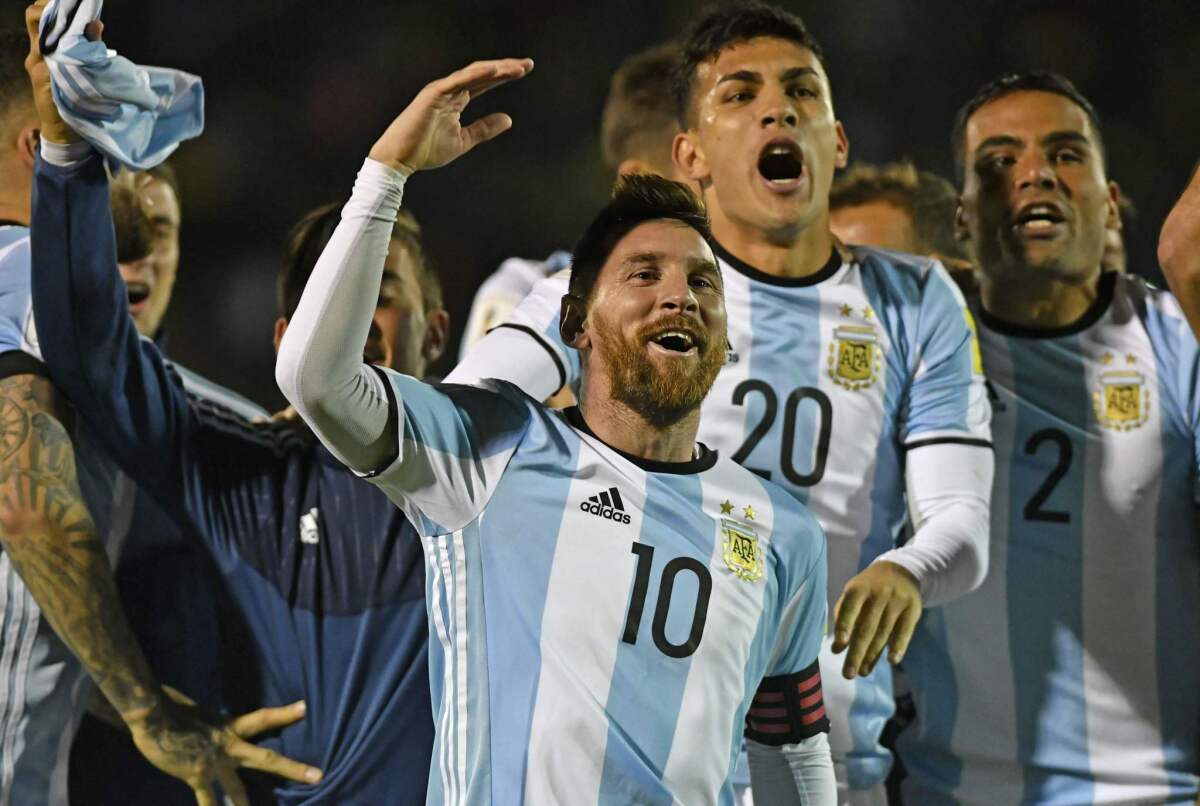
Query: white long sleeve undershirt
(799, 774)
(319, 368)
(949, 500)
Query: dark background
(298, 91)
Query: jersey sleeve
(526, 349)
(947, 400)
(14, 294)
(454, 443)
(1178, 356)
(121, 386)
(789, 704)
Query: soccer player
(851, 376)
(636, 130)
(1071, 675)
(57, 594)
(324, 570)
(610, 598)
(894, 206)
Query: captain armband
(787, 709)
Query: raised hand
(52, 126)
(175, 736)
(879, 606)
(429, 132)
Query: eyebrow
(1053, 138)
(754, 77)
(642, 257)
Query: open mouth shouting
(137, 293)
(677, 341)
(1039, 220)
(781, 165)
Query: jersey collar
(741, 267)
(1099, 306)
(704, 460)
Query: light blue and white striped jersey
(1073, 674)
(830, 377)
(503, 291)
(599, 624)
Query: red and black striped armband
(788, 708)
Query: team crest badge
(1122, 400)
(743, 554)
(854, 356)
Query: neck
(623, 428)
(1038, 302)
(797, 251)
(16, 187)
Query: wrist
(379, 155)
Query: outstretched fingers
(264, 760)
(264, 719)
(485, 129)
(479, 77)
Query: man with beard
(610, 599)
(1071, 675)
(852, 375)
(323, 569)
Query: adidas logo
(607, 504)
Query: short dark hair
(1033, 81)
(638, 114)
(636, 199)
(310, 235)
(723, 27)
(131, 225)
(15, 89)
(928, 199)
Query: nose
(779, 109)
(1035, 172)
(677, 294)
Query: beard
(662, 396)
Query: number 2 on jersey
(1034, 508)
(787, 443)
(666, 585)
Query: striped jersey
(503, 290)
(1072, 674)
(599, 623)
(828, 379)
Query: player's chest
(1076, 419)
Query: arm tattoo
(52, 543)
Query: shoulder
(908, 277)
(200, 388)
(1158, 313)
(517, 276)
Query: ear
(1113, 219)
(689, 158)
(280, 328)
(961, 232)
(842, 156)
(437, 333)
(27, 144)
(572, 314)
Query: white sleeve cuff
(65, 155)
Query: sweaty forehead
(1027, 116)
(767, 56)
(157, 197)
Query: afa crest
(854, 356)
(1122, 400)
(743, 555)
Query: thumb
(93, 31)
(485, 129)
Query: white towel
(136, 116)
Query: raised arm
(320, 368)
(1179, 250)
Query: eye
(645, 274)
(1067, 155)
(739, 96)
(702, 281)
(996, 162)
(802, 92)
